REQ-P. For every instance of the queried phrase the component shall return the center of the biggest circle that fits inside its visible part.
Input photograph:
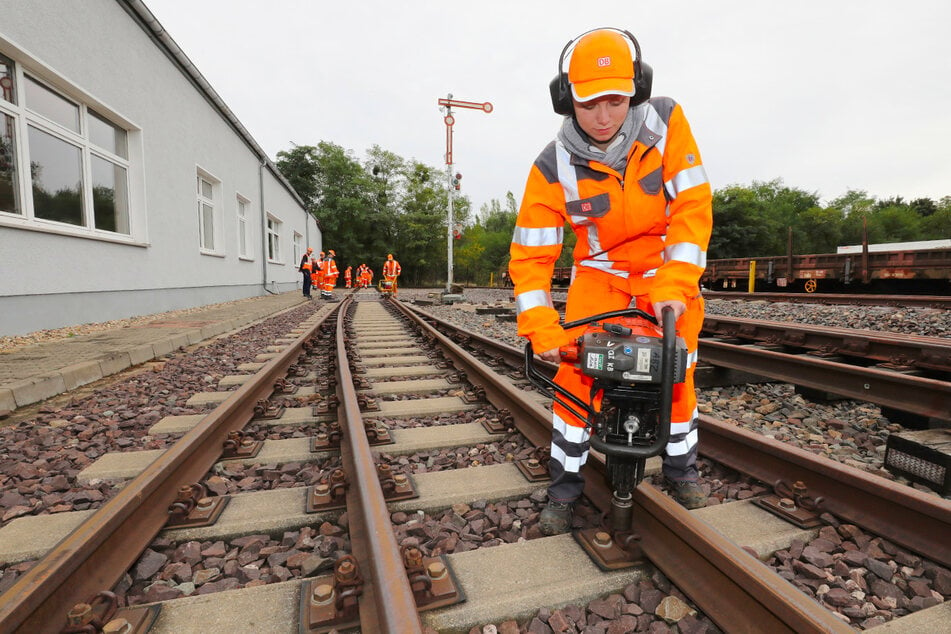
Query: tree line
(387, 204)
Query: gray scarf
(578, 143)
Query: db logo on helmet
(604, 61)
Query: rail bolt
(322, 488)
(323, 594)
(602, 539)
(117, 626)
(205, 503)
(346, 570)
(79, 614)
(787, 504)
(436, 570)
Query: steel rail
(737, 591)
(887, 347)
(918, 521)
(387, 604)
(917, 395)
(919, 301)
(96, 554)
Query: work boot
(555, 518)
(688, 493)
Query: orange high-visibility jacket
(649, 226)
(391, 268)
(329, 267)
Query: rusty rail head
(96, 554)
(388, 605)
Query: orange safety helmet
(389, 256)
(332, 253)
(310, 249)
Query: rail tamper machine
(635, 365)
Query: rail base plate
(605, 551)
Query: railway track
(468, 519)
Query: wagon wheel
(810, 286)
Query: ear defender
(560, 87)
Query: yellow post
(492, 278)
(752, 284)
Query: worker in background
(318, 276)
(330, 275)
(391, 271)
(626, 174)
(305, 268)
(368, 277)
(348, 276)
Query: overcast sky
(826, 95)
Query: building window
(298, 247)
(273, 239)
(56, 168)
(9, 184)
(209, 225)
(73, 159)
(244, 242)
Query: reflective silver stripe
(538, 237)
(683, 428)
(680, 428)
(650, 273)
(655, 123)
(606, 266)
(685, 179)
(572, 434)
(686, 252)
(570, 463)
(532, 299)
(692, 358)
(682, 447)
(566, 172)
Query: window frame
(274, 238)
(215, 202)
(27, 69)
(245, 250)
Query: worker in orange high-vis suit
(330, 275)
(348, 276)
(318, 275)
(391, 271)
(305, 268)
(626, 174)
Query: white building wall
(53, 275)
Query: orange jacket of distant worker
(391, 269)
